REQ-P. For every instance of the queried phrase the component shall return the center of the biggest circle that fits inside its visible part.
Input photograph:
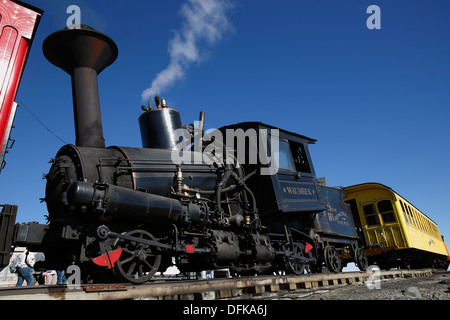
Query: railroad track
(204, 289)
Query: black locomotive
(125, 213)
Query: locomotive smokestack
(83, 53)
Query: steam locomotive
(122, 213)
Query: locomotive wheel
(361, 259)
(139, 262)
(332, 259)
(293, 265)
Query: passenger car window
(404, 212)
(371, 215)
(386, 210)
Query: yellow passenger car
(393, 232)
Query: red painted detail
(18, 23)
(308, 248)
(108, 259)
(190, 248)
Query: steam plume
(203, 21)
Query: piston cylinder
(122, 203)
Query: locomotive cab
(289, 175)
(293, 204)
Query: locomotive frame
(131, 210)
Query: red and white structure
(18, 24)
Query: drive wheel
(293, 265)
(138, 262)
(332, 259)
(361, 259)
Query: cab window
(300, 158)
(284, 156)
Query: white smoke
(203, 21)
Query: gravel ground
(434, 287)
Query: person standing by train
(24, 270)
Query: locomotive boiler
(125, 213)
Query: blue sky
(376, 100)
